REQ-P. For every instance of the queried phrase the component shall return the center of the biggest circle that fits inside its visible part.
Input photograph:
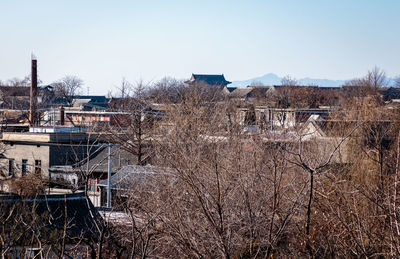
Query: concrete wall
(17, 152)
(49, 156)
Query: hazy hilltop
(272, 79)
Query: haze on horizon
(103, 41)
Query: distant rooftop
(54, 129)
(90, 101)
(82, 217)
(126, 176)
(47, 135)
(231, 89)
(208, 79)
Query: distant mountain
(272, 79)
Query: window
(38, 166)
(24, 166)
(11, 166)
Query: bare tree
(284, 92)
(125, 89)
(256, 83)
(289, 81)
(353, 201)
(375, 78)
(225, 194)
(167, 90)
(19, 82)
(365, 87)
(397, 82)
(132, 131)
(68, 87)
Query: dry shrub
(29, 185)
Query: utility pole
(109, 177)
(271, 119)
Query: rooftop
(127, 175)
(79, 212)
(208, 79)
(49, 137)
(55, 129)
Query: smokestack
(33, 93)
(62, 115)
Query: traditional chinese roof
(208, 79)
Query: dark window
(24, 165)
(11, 166)
(38, 166)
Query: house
(229, 90)
(278, 118)
(84, 102)
(73, 117)
(313, 128)
(262, 91)
(91, 118)
(251, 93)
(268, 117)
(390, 94)
(211, 80)
(94, 166)
(132, 176)
(329, 137)
(41, 148)
(50, 218)
(241, 93)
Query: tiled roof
(98, 161)
(85, 100)
(231, 89)
(241, 92)
(208, 79)
(79, 212)
(134, 173)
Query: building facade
(39, 150)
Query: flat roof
(97, 112)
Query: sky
(102, 42)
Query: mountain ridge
(273, 79)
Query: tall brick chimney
(33, 94)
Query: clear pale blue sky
(103, 41)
